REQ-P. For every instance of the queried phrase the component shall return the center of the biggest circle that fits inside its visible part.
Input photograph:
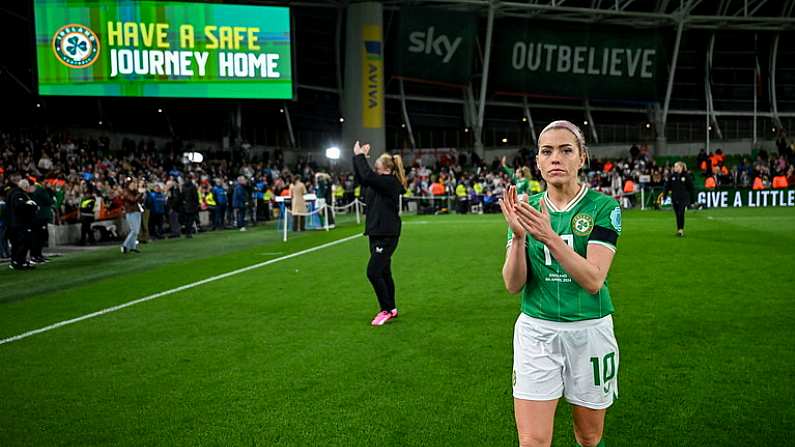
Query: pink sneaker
(381, 318)
(394, 313)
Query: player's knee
(373, 271)
(587, 439)
(532, 439)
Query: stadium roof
(319, 28)
(767, 15)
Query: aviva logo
(372, 78)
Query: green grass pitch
(284, 354)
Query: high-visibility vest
(87, 206)
(758, 184)
(535, 186)
(461, 190)
(210, 199)
(437, 189)
(780, 182)
(357, 191)
(710, 183)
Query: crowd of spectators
(86, 180)
(759, 169)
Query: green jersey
(522, 184)
(550, 293)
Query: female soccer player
(520, 177)
(560, 247)
(383, 189)
(680, 185)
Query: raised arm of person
(504, 166)
(366, 176)
(589, 272)
(357, 150)
(515, 269)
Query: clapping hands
(523, 219)
(361, 150)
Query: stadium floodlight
(466, 129)
(38, 105)
(585, 123)
(100, 123)
(159, 110)
(403, 125)
(281, 110)
(648, 125)
(333, 153)
(504, 140)
(524, 119)
(342, 120)
(192, 157)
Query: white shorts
(577, 360)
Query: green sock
(601, 443)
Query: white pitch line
(171, 291)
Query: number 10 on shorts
(606, 372)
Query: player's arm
(514, 271)
(368, 177)
(588, 272)
(666, 187)
(506, 169)
(357, 150)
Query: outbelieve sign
(584, 61)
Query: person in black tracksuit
(382, 192)
(680, 185)
(189, 205)
(22, 209)
(43, 197)
(174, 204)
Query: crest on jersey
(615, 219)
(582, 224)
(75, 46)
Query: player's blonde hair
(681, 164)
(395, 164)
